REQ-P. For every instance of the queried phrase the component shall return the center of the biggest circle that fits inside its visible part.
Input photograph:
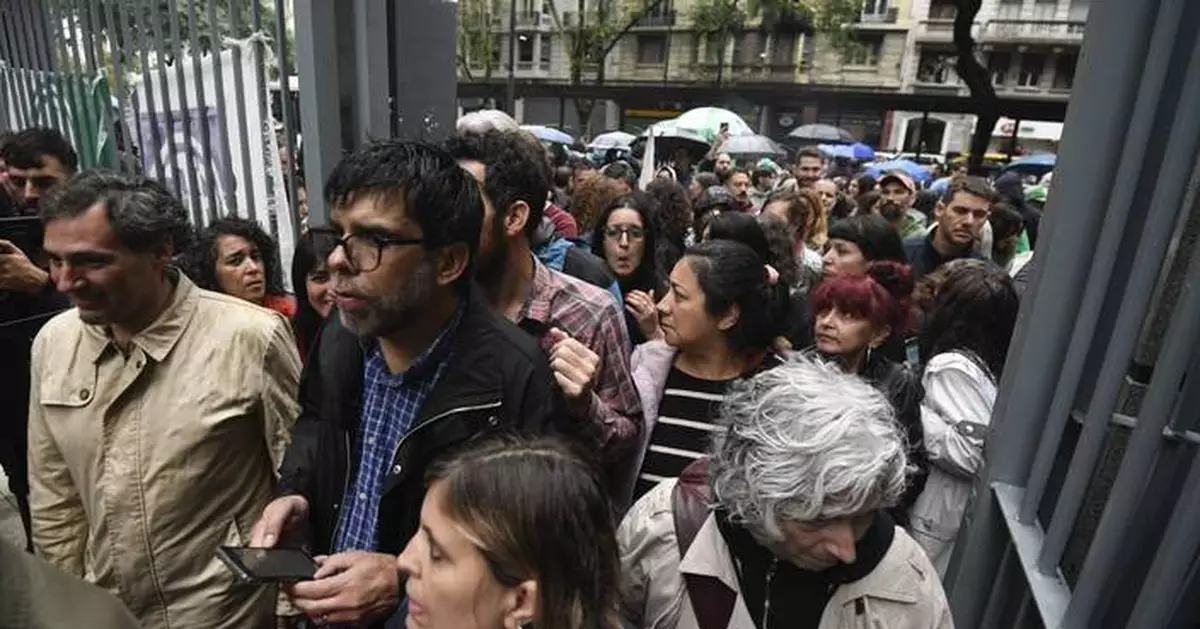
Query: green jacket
(36, 595)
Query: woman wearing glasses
(625, 236)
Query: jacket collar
(709, 555)
(158, 338)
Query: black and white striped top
(687, 418)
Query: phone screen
(269, 564)
(25, 232)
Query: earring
(868, 360)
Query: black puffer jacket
(901, 385)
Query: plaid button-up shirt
(593, 317)
(390, 404)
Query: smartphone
(724, 127)
(25, 232)
(268, 565)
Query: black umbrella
(668, 139)
(822, 133)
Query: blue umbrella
(1033, 164)
(862, 152)
(548, 134)
(913, 169)
(837, 150)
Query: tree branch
(978, 81)
(650, 6)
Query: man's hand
(17, 273)
(283, 517)
(575, 368)
(351, 587)
(640, 304)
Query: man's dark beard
(490, 266)
(891, 210)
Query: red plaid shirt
(591, 316)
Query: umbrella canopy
(707, 122)
(612, 140)
(913, 169)
(837, 150)
(670, 137)
(862, 152)
(548, 134)
(1033, 164)
(822, 133)
(746, 146)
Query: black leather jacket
(497, 380)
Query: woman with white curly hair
(785, 526)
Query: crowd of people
(504, 390)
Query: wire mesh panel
(194, 93)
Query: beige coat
(142, 465)
(903, 592)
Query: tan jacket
(903, 592)
(141, 466)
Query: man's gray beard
(394, 312)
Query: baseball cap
(900, 177)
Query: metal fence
(195, 93)
(1089, 512)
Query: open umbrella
(913, 169)
(707, 122)
(669, 137)
(862, 152)
(612, 140)
(1038, 165)
(548, 134)
(837, 150)
(749, 146)
(822, 133)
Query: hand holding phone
(268, 565)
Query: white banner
(230, 180)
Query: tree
(721, 19)
(476, 38)
(972, 72)
(592, 31)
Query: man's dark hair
(738, 171)
(809, 151)
(562, 176)
(26, 149)
(438, 195)
(1005, 220)
(143, 213)
(515, 169)
(201, 264)
(621, 171)
(974, 186)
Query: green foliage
(475, 37)
(710, 17)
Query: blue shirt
(390, 403)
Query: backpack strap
(711, 599)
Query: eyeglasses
(615, 233)
(364, 252)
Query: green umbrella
(707, 122)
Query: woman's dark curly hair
(201, 262)
(974, 311)
(591, 198)
(674, 218)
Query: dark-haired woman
(964, 343)
(856, 316)
(719, 323)
(314, 300)
(855, 242)
(514, 533)
(795, 209)
(236, 257)
(626, 237)
(674, 220)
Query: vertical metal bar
(129, 57)
(30, 114)
(206, 155)
(7, 28)
(316, 60)
(285, 110)
(218, 45)
(60, 75)
(156, 143)
(189, 155)
(80, 111)
(1103, 260)
(1135, 300)
(239, 88)
(1180, 341)
(371, 60)
(264, 113)
(168, 108)
(87, 70)
(115, 35)
(1176, 552)
(110, 148)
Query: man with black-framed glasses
(414, 365)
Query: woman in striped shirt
(718, 318)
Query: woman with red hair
(855, 315)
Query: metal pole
(511, 96)
(320, 118)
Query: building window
(1064, 71)
(651, 49)
(749, 48)
(712, 48)
(1009, 10)
(496, 51)
(547, 49)
(1032, 66)
(864, 52)
(935, 67)
(524, 49)
(783, 49)
(943, 10)
(998, 65)
(875, 7)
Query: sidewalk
(10, 520)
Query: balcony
(657, 19)
(888, 18)
(767, 72)
(1033, 32)
(534, 19)
(936, 31)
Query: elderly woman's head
(808, 457)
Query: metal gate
(1088, 516)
